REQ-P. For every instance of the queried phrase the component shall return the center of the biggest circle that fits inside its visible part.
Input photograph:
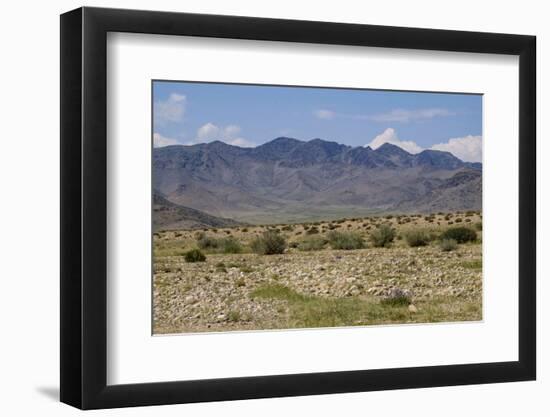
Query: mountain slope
(291, 180)
(170, 216)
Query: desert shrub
(448, 245)
(396, 298)
(346, 240)
(287, 228)
(417, 238)
(234, 316)
(478, 226)
(224, 245)
(311, 243)
(205, 242)
(313, 231)
(383, 236)
(269, 243)
(244, 229)
(460, 234)
(458, 220)
(194, 255)
(230, 245)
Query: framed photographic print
(258, 207)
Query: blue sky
(249, 115)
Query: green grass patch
(475, 264)
(314, 311)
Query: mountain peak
(283, 139)
(278, 148)
(439, 159)
(391, 149)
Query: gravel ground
(216, 295)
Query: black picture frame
(84, 207)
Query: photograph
(296, 207)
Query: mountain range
(288, 180)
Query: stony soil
(217, 295)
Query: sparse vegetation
(219, 245)
(270, 243)
(475, 264)
(397, 297)
(194, 255)
(231, 245)
(311, 243)
(383, 236)
(417, 238)
(317, 281)
(447, 245)
(460, 234)
(345, 240)
(234, 316)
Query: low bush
(194, 255)
(346, 240)
(269, 243)
(311, 243)
(312, 231)
(383, 236)
(230, 245)
(397, 297)
(206, 242)
(223, 245)
(460, 234)
(417, 238)
(448, 245)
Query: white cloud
(228, 134)
(405, 116)
(324, 114)
(243, 143)
(207, 132)
(170, 110)
(160, 141)
(467, 148)
(389, 136)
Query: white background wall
(29, 236)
